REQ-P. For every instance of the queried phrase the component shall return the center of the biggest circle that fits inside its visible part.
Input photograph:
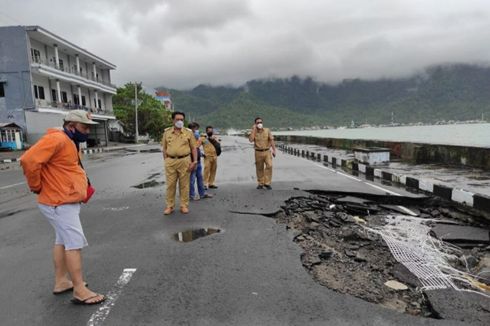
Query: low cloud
(182, 43)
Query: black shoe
(213, 187)
(260, 187)
(268, 187)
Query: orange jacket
(51, 168)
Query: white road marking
(408, 211)
(383, 189)
(101, 314)
(12, 185)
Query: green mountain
(443, 92)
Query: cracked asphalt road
(248, 274)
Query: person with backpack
(212, 149)
(196, 175)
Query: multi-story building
(43, 76)
(165, 98)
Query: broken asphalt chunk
(462, 234)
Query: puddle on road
(149, 184)
(191, 235)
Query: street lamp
(136, 103)
(136, 111)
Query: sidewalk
(13, 156)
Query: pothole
(342, 254)
(194, 234)
(149, 184)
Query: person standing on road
(196, 175)
(53, 171)
(210, 145)
(263, 142)
(180, 156)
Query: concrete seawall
(416, 153)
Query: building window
(53, 95)
(100, 104)
(76, 100)
(39, 92)
(61, 64)
(2, 90)
(36, 55)
(64, 97)
(83, 100)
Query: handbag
(90, 192)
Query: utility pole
(136, 111)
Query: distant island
(442, 94)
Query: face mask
(260, 125)
(210, 134)
(80, 137)
(196, 134)
(76, 136)
(179, 124)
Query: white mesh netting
(425, 256)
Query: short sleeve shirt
(263, 139)
(178, 143)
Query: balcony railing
(70, 106)
(74, 71)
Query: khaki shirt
(208, 147)
(178, 143)
(263, 139)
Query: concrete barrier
(416, 153)
(460, 196)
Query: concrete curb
(108, 149)
(460, 196)
(10, 160)
(92, 151)
(87, 151)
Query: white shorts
(65, 220)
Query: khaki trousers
(177, 170)
(263, 166)
(210, 167)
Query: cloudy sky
(182, 43)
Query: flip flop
(85, 303)
(65, 290)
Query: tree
(152, 116)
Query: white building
(43, 76)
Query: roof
(43, 35)
(162, 93)
(9, 124)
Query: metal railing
(74, 71)
(71, 106)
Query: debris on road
(395, 285)
(345, 250)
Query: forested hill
(449, 92)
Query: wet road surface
(249, 273)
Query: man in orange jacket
(54, 172)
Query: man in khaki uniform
(263, 142)
(210, 159)
(180, 155)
